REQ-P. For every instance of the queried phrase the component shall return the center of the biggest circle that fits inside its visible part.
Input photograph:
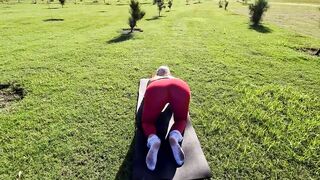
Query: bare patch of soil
(9, 93)
(311, 51)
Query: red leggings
(158, 94)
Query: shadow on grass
(53, 8)
(53, 20)
(125, 170)
(260, 28)
(154, 18)
(120, 38)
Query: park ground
(255, 92)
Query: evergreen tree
(220, 4)
(135, 14)
(226, 3)
(160, 5)
(170, 4)
(62, 2)
(256, 11)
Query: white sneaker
(154, 145)
(174, 138)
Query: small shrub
(256, 11)
(160, 5)
(170, 4)
(135, 14)
(220, 4)
(62, 2)
(226, 3)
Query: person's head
(163, 71)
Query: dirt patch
(9, 93)
(311, 51)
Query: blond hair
(163, 71)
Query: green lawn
(289, 14)
(296, 1)
(255, 98)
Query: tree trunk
(318, 53)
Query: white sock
(174, 138)
(153, 144)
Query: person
(163, 88)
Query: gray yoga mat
(195, 165)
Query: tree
(160, 5)
(170, 4)
(62, 2)
(135, 14)
(220, 4)
(226, 3)
(256, 11)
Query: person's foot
(151, 158)
(178, 154)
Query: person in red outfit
(162, 89)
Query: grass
(303, 19)
(297, 1)
(255, 99)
